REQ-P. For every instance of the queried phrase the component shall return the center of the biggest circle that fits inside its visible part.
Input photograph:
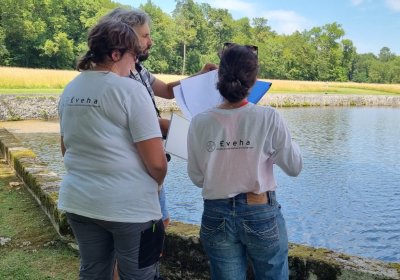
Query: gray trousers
(135, 246)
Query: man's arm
(166, 91)
(164, 126)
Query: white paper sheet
(181, 102)
(176, 143)
(200, 92)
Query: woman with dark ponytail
(85, 62)
(114, 158)
(231, 153)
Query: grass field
(31, 248)
(15, 80)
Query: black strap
(138, 68)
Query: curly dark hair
(107, 35)
(237, 73)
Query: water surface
(347, 197)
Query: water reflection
(348, 196)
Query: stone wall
(22, 107)
(184, 258)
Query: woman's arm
(152, 153)
(287, 153)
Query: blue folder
(259, 89)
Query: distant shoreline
(26, 107)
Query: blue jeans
(232, 230)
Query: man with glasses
(140, 22)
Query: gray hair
(132, 17)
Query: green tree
(4, 54)
(261, 35)
(394, 70)
(328, 60)
(219, 28)
(348, 58)
(377, 72)
(362, 66)
(297, 57)
(163, 58)
(242, 31)
(60, 50)
(189, 21)
(24, 31)
(386, 55)
(261, 31)
(271, 55)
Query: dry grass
(282, 86)
(29, 79)
(23, 78)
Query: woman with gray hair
(114, 157)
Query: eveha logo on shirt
(76, 101)
(235, 144)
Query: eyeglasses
(227, 45)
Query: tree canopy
(52, 34)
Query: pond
(347, 197)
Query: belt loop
(269, 196)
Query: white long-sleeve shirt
(233, 151)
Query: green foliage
(3, 49)
(163, 58)
(60, 51)
(53, 34)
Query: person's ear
(115, 55)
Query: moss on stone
(395, 266)
(23, 153)
(183, 229)
(54, 197)
(306, 252)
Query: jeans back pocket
(212, 230)
(261, 232)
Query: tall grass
(13, 79)
(27, 78)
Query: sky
(369, 24)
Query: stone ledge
(14, 107)
(304, 262)
(41, 183)
(184, 257)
